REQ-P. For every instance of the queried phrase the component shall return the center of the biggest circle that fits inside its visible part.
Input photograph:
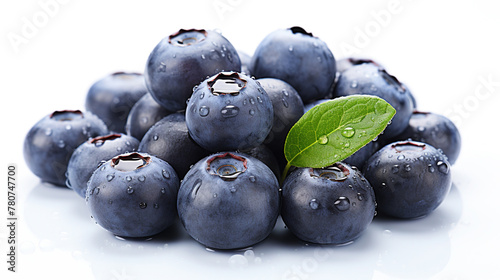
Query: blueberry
(169, 140)
(287, 108)
(369, 79)
(133, 195)
(331, 205)
(143, 115)
(229, 111)
(49, 144)
(410, 178)
(112, 97)
(90, 154)
(229, 201)
(266, 155)
(298, 58)
(436, 130)
(183, 60)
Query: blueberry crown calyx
(226, 83)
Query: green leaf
(334, 130)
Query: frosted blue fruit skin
(224, 122)
(49, 144)
(139, 202)
(179, 62)
(331, 205)
(229, 213)
(410, 179)
(90, 154)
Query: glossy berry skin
(183, 60)
(133, 195)
(369, 79)
(112, 97)
(435, 130)
(332, 205)
(169, 140)
(143, 115)
(287, 108)
(229, 201)
(49, 144)
(229, 111)
(90, 154)
(410, 178)
(298, 58)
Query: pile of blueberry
(199, 138)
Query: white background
(447, 52)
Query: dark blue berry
(90, 154)
(49, 144)
(229, 201)
(143, 115)
(229, 111)
(112, 97)
(436, 130)
(183, 60)
(410, 178)
(298, 58)
(133, 195)
(287, 108)
(369, 79)
(169, 140)
(332, 205)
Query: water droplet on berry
(360, 197)
(395, 169)
(431, 168)
(48, 131)
(196, 188)
(252, 179)
(110, 177)
(285, 103)
(165, 174)
(290, 48)
(443, 167)
(285, 93)
(354, 84)
(155, 137)
(252, 101)
(407, 168)
(141, 178)
(401, 157)
(314, 204)
(61, 144)
(232, 189)
(348, 132)
(342, 203)
(230, 111)
(204, 111)
(143, 205)
(251, 112)
(96, 192)
(323, 139)
(130, 190)
(128, 178)
(203, 56)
